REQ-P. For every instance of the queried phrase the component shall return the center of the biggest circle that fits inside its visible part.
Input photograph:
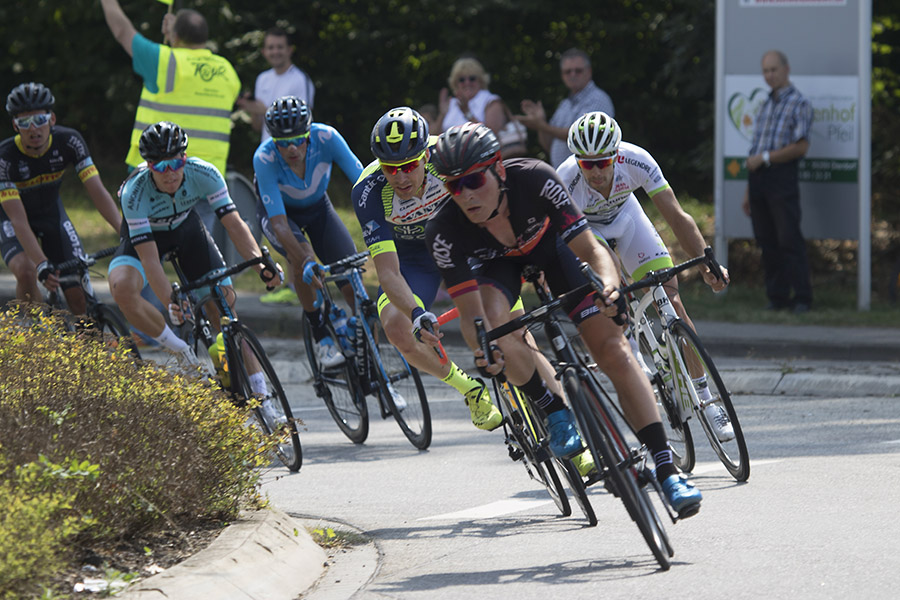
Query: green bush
(141, 447)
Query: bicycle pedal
(689, 511)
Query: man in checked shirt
(772, 199)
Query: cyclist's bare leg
(125, 284)
(76, 300)
(398, 328)
(613, 354)
(671, 288)
(25, 272)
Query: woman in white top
(471, 100)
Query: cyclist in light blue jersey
(157, 202)
(293, 169)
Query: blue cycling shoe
(564, 438)
(682, 496)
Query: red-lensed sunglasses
(473, 181)
(407, 167)
(589, 163)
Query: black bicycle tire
(420, 439)
(740, 471)
(683, 453)
(576, 485)
(240, 381)
(597, 436)
(323, 387)
(105, 315)
(545, 470)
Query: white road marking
(490, 511)
(891, 442)
(703, 468)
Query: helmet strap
(503, 190)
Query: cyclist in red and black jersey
(504, 216)
(35, 231)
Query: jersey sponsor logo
(77, 145)
(409, 232)
(8, 229)
(621, 186)
(627, 160)
(208, 72)
(9, 193)
(370, 228)
(218, 195)
(574, 183)
(73, 236)
(267, 157)
(555, 193)
(364, 196)
(266, 199)
(440, 252)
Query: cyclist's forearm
(241, 237)
(153, 269)
(683, 225)
(22, 229)
(586, 247)
(103, 202)
(297, 252)
(387, 266)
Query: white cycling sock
(702, 387)
(258, 384)
(167, 339)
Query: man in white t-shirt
(283, 79)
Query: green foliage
(37, 514)
(128, 448)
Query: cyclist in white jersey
(601, 176)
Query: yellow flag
(167, 2)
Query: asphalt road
(817, 518)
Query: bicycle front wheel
(273, 411)
(616, 463)
(399, 387)
(339, 389)
(524, 444)
(731, 450)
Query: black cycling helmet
(162, 140)
(400, 135)
(288, 116)
(29, 96)
(465, 148)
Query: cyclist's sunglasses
(589, 163)
(407, 167)
(38, 120)
(473, 181)
(174, 164)
(292, 141)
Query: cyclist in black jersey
(35, 231)
(509, 214)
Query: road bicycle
(372, 365)
(622, 468)
(243, 354)
(102, 319)
(674, 359)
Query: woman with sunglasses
(32, 164)
(158, 200)
(293, 170)
(602, 175)
(469, 98)
(506, 215)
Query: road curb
(265, 555)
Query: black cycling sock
(543, 398)
(317, 323)
(654, 437)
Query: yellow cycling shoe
(484, 414)
(584, 462)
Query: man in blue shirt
(772, 199)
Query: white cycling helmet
(594, 134)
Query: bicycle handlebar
(663, 275)
(214, 277)
(348, 262)
(83, 262)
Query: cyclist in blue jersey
(157, 201)
(394, 198)
(293, 169)
(35, 231)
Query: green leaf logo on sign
(742, 110)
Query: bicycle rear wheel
(339, 388)
(733, 453)
(276, 417)
(576, 485)
(399, 382)
(523, 445)
(608, 446)
(678, 431)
